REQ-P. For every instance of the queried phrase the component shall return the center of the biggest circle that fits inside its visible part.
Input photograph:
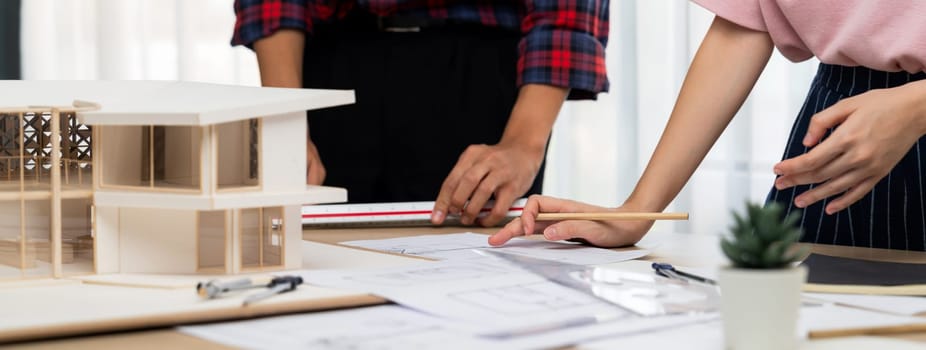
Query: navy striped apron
(893, 214)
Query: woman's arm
(723, 72)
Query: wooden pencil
(611, 216)
(880, 330)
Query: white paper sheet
(833, 317)
(709, 335)
(901, 305)
(460, 245)
(395, 327)
(379, 327)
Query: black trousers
(893, 214)
(421, 99)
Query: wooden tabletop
(675, 248)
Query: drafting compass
(215, 288)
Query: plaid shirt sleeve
(564, 44)
(256, 19)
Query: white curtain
(133, 39)
(598, 151)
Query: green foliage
(762, 240)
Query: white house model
(179, 178)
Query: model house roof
(166, 102)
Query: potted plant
(761, 290)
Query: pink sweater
(888, 35)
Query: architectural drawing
(457, 246)
(541, 297)
(429, 274)
(153, 177)
(488, 293)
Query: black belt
(405, 24)
(361, 21)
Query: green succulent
(762, 240)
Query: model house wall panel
(178, 164)
(77, 241)
(283, 152)
(157, 240)
(231, 139)
(11, 246)
(293, 241)
(38, 237)
(234, 155)
(106, 238)
(211, 235)
(123, 155)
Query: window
(156, 157)
(11, 243)
(10, 151)
(262, 238)
(238, 155)
(76, 159)
(37, 230)
(76, 236)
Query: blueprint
(460, 246)
(487, 293)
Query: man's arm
(276, 31)
(279, 56)
(560, 54)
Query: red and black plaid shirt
(563, 43)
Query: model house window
(11, 240)
(36, 150)
(76, 158)
(155, 157)
(10, 150)
(211, 233)
(76, 236)
(26, 245)
(36, 243)
(237, 152)
(262, 238)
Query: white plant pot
(760, 307)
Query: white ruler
(387, 214)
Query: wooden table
(679, 249)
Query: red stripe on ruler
(385, 213)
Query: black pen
(667, 270)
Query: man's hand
(507, 169)
(598, 233)
(315, 170)
(875, 130)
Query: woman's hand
(598, 233)
(876, 129)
